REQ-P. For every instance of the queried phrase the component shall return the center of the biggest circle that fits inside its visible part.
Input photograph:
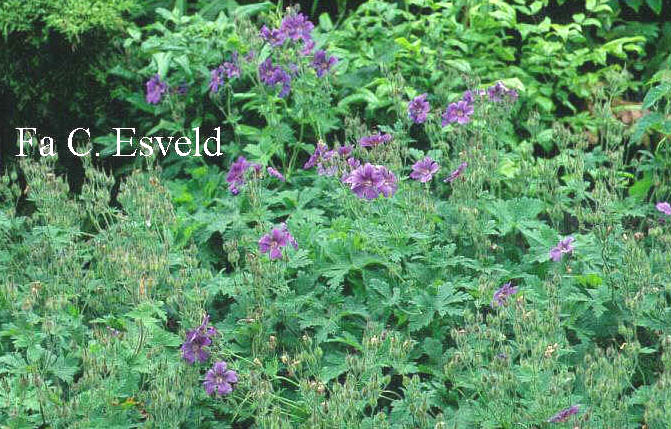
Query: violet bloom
(389, 184)
(502, 294)
(353, 163)
(273, 75)
(194, 346)
(316, 155)
(424, 170)
(323, 63)
(307, 48)
(563, 415)
(456, 173)
(236, 174)
(274, 37)
(459, 112)
(469, 95)
(297, 27)
(345, 151)
(290, 238)
(230, 69)
(498, 93)
(664, 207)
(564, 247)
(220, 380)
(418, 109)
(182, 89)
(273, 242)
(374, 140)
(276, 174)
(155, 89)
(366, 181)
(216, 79)
(327, 165)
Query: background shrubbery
(388, 313)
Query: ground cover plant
(459, 220)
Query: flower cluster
(219, 380)
(196, 342)
(272, 75)
(370, 181)
(330, 161)
(563, 415)
(456, 173)
(498, 93)
(155, 89)
(236, 174)
(462, 110)
(273, 242)
(418, 109)
(664, 207)
(322, 63)
(296, 28)
(374, 140)
(227, 70)
(564, 247)
(502, 294)
(276, 174)
(424, 170)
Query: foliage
(522, 281)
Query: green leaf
(655, 5)
(655, 93)
(325, 22)
(640, 188)
(645, 123)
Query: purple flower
(424, 170)
(456, 173)
(316, 155)
(389, 185)
(297, 27)
(563, 415)
(353, 163)
(564, 247)
(272, 75)
(275, 37)
(664, 207)
(155, 89)
(459, 112)
(327, 166)
(220, 380)
(230, 69)
(194, 346)
(365, 181)
(276, 174)
(236, 174)
(418, 109)
(469, 96)
(322, 63)
(498, 93)
(216, 78)
(113, 332)
(307, 48)
(182, 89)
(502, 294)
(369, 181)
(375, 140)
(345, 151)
(273, 242)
